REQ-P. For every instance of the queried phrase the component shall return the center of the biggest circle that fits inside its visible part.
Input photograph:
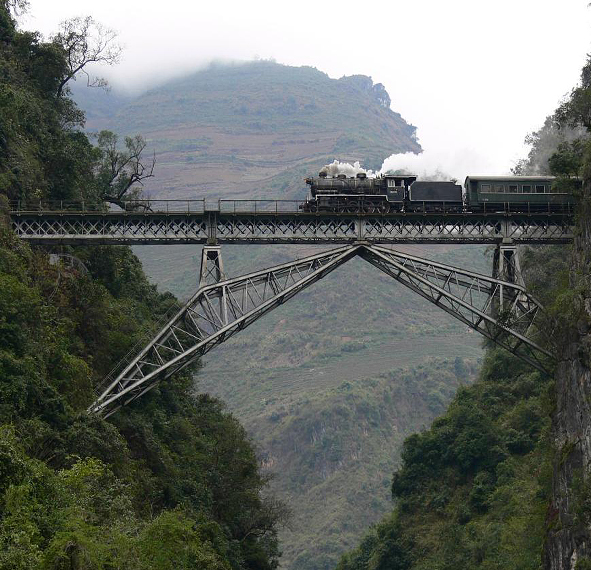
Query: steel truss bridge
(498, 306)
(275, 221)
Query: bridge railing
(130, 206)
(164, 206)
(261, 206)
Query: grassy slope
(354, 332)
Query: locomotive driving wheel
(352, 207)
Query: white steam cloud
(441, 165)
(428, 165)
(351, 170)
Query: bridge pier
(212, 267)
(506, 267)
(506, 263)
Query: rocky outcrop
(568, 543)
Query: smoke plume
(428, 165)
(335, 168)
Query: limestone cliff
(568, 543)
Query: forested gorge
(501, 480)
(171, 484)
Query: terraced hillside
(254, 130)
(329, 384)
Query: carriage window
(485, 188)
(526, 189)
(499, 187)
(540, 188)
(513, 188)
(391, 183)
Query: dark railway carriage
(515, 194)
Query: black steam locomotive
(404, 193)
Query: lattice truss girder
(290, 228)
(109, 227)
(502, 311)
(214, 314)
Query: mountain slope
(254, 129)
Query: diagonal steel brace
(214, 314)
(501, 311)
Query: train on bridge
(404, 193)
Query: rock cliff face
(568, 543)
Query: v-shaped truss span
(501, 311)
(211, 316)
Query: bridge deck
(275, 221)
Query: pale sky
(474, 76)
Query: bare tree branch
(120, 173)
(16, 7)
(86, 41)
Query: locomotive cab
(397, 186)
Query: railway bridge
(498, 306)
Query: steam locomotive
(404, 193)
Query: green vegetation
(170, 483)
(336, 446)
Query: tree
(119, 172)
(86, 41)
(17, 7)
(576, 110)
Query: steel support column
(212, 267)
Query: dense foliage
(171, 482)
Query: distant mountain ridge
(253, 129)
